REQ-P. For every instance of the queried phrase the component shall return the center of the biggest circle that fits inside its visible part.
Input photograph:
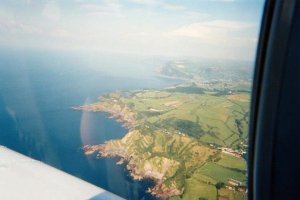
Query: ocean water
(37, 89)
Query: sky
(177, 28)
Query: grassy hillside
(212, 119)
(177, 138)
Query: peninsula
(189, 140)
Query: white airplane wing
(24, 178)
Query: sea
(38, 89)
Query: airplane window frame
(274, 63)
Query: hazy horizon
(208, 28)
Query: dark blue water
(37, 89)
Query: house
(234, 182)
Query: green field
(220, 173)
(220, 120)
(231, 195)
(178, 136)
(196, 190)
(232, 162)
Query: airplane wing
(24, 178)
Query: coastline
(159, 74)
(110, 149)
(157, 151)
